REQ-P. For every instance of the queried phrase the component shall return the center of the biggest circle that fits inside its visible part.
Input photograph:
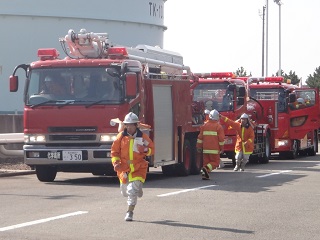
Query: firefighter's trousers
(212, 161)
(132, 190)
(241, 159)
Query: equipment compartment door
(163, 124)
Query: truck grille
(82, 129)
(72, 137)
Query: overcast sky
(216, 36)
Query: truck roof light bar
(117, 53)
(215, 75)
(265, 79)
(48, 54)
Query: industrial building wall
(29, 25)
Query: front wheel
(314, 149)
(267, 150)
(46, 173)
(184, 168)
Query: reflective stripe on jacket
(245, 136)
(211, 137)
(131, 162)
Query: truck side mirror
(292, 98)
(242, 91)
(231, 87)
(240, 101)
(131, 84)
(14, 83)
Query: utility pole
(279, 4)
(263, 17)
(267, 35)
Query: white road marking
(41, 221)
(271, 174)
(183, 191)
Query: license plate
(72, 155)
(54, 155)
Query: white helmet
(131, 118)
(206, 111)
(244, 115)
(214, 115)
(300, 100)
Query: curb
(10, 173)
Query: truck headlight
(34, 138)
(108, 137)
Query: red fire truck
(69, 128)
(287, 117)
(224, 92)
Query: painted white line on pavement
(268, 175)
(41, 221)
(183, 191)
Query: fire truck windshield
(274, 94)
(214, 96)
(74, 86)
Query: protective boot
(129, 214)
(205, 173)
(242, 166)
(237, 167)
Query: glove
(116, 166)
(142, 149)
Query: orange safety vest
(245, 136)
(133, 165)
(211, 137)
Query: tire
(267, 150)
(184, 168)
(293, 154)
(197, 158)
(314, 149)
(168, 170)
(45, 173)
(233, 159)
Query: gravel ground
(13, 164)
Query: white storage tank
(29, 25)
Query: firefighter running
(210, 142)
(245, 139)
(128, 154)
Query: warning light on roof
(117, 52)
(48, 53)
(215, 75)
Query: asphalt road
(279, 200)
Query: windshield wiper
(45, 102)
(97, 102)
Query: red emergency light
(266, 79)
(117, 52)
(274, 79)
(215, 75)
(48, 53)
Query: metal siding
(163, 123)
(128, 23)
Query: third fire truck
(287, 117)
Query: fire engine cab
(70, 102)
(224, 92)
(287, 116)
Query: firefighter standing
(210, 142)
(245, 140)
(128, 154)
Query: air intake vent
(72, 129)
